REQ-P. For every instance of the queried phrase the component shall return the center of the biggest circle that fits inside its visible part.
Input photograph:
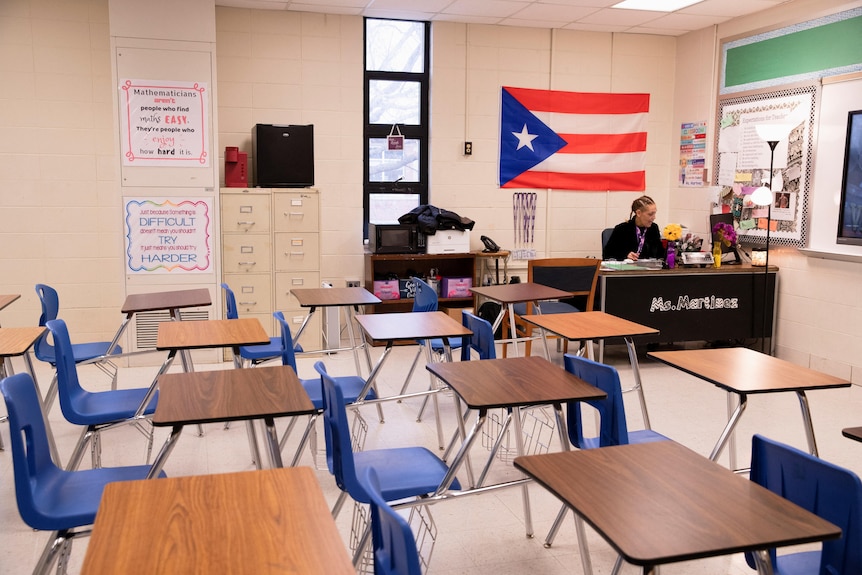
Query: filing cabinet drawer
(253, 292)
(246, 253)
(310, 340)
(296, 211)
(245, 213)
(286, 281)
(297, 251)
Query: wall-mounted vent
(147, 325)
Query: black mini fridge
(283, 155)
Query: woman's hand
(632, 256)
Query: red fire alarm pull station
(235, 168)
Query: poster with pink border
(164, 123)
(168, 236)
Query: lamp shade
(773, 132)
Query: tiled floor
(479, 534)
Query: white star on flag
(525, 138)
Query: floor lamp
(762, 196)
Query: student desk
(692, 304)
(589, 325)
(269, 521)
(512, 382)
(854, 433)
(510, 294)
(742, 371)
(348, 298)
(658, 503)
(229, 395)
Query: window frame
(418, 132)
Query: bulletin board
(742, 161)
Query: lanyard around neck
(641, 237)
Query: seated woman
(637, 238)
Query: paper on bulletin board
(692, 154)
(726, 168)
(168, 236)
(163, 123)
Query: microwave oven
(395, 239)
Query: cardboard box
(387, 289)
(456, 287)
(455, 312)
(448, 242)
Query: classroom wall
(819, 311)
(61, 223)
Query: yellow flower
(672, 232)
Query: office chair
(823, 488)
(253, 354)
(392, 540)
(579, 276)
(96, 411)
(404, 472)
(351, 386)
(50, 498)
(82, 352)
(613, 429)
(606, 237)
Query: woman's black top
(624, 239)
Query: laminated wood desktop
(692, 304)
(659, 503)
(270, 521)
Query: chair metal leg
(78, 452)
(339, 503)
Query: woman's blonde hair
(641, 203)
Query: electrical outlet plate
(354, 283)
(468, 148)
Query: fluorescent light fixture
(773, 132)
(762, 196)
(656, 5)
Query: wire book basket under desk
(538, 429)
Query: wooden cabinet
(270, 245)
(403, 266)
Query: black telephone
(490, 245)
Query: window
(397, 62)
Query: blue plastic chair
(97, 411)
(351, 386)
(49, 498)
(82, 352)
(613, 429)
(254, 354)
(823, 488)
(482, 340)
(404, 472)
(395, 551)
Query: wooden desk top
(854, 433)
(680, 270)
(744, 370)
(588, 325)
(176, 335)
(262, 522)
(410, 325)
(6, 299)
(230, 395)
(511, 381)
(326, 297)
(178, 299)
(660, 503)
(522, 292)
(17, 340)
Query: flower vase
(716, 254)
(671, 255)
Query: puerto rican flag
(573, 140)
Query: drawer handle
(288, 254)
(246, 263)
(245, 223)
(294, 214)
(248, 303)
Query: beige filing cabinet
(270, 245)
